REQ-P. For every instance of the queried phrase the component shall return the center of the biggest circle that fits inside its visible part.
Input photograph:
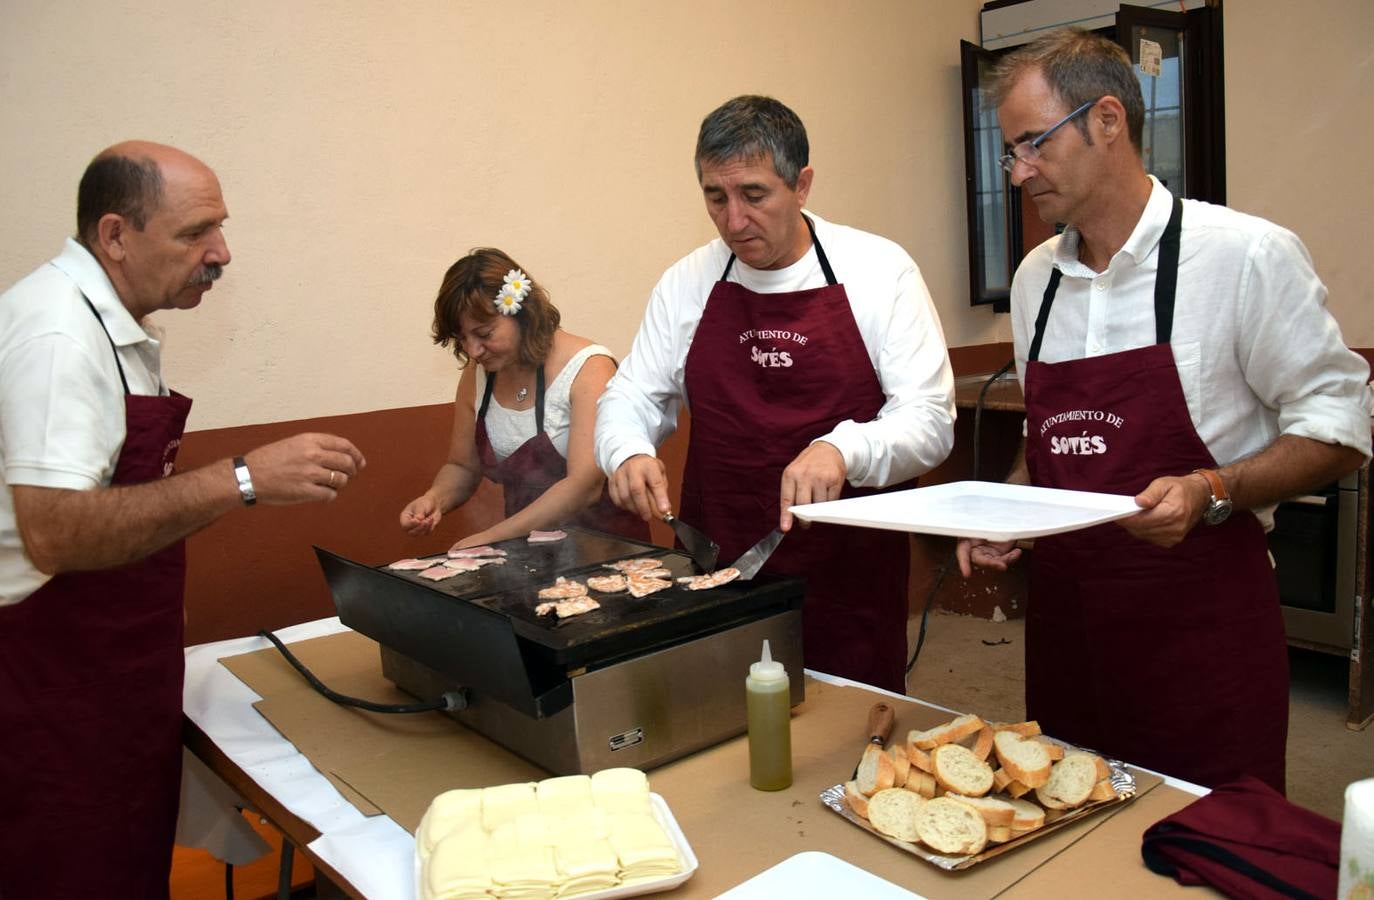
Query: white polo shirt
(61, 398)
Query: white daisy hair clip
(514, 290)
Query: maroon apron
(1175, 658)
(756, 403)
(91, 670)
(536, 466)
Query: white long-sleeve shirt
(1257, 351)
(914, 429)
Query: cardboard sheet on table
(977, 509)
(350, 747)
(711, 798)
(401, 766)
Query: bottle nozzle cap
(767, 668)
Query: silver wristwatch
(245, 480)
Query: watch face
(1217, 512)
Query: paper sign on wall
(1151, 57)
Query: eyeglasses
(1029, 151)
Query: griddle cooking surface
(623, 622)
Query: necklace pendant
(521, 394)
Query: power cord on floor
(450, 700)
(951, 559)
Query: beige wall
(363, 146)
(1300, 136)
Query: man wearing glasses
(1180, 352)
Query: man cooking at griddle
(814, 366)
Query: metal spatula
(702, 549)
(754, 558)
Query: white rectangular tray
(989, 510)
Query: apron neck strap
(538, 399)
(820, 256)
(1166, 285)
(113, 348)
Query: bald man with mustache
(93, 517)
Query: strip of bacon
(415, 564)
(563, 589)
(565, 608)
(546, 537)
(710, 580)
(439, 573)
(607, 584)
(474, 552)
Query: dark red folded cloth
(1246, 840)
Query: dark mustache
(206, 274)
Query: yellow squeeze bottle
(769, 697)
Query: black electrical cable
(449, 701)
(951, 559)
(228, 881)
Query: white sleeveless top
(508, 429)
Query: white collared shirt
(1257, 351)
(913, 431)
(61, 398)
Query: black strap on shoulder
(1166, 276)
(113, 348)
(486, 396)
(820, 253)
(1050, 290)
(728, 263)
(538, 398)
(1166, 285)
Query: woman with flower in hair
(525, 414)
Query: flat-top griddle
(479, 631)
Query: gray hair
(1080, 66)
(118, 184)
(753, 127)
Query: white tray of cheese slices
(969, 790)
(586, 837)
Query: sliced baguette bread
(1025, 729)
(855, 798)
(876, 772)
(994, 810)
(958, 771)
(1025, 759)
(1103, 790)
(1056, 751)
(947, 733)
(901, 765)
(894, 812)
(918, 758)
(922, 783)
(950, 827)
(1027, 817)
(1070, 783)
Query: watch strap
(245, 480)
(1214, 479)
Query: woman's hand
(421, 515)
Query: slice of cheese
(506, 802)
(621, 790)
(448, 812)
(458, 867)
(564, 796)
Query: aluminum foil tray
(1122, 780)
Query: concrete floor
(959, 669)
